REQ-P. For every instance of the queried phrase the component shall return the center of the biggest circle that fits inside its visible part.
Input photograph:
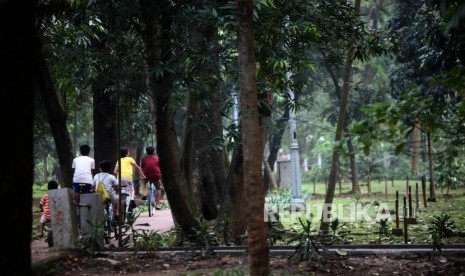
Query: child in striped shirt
(44, 206)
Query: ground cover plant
(310, 255)
(363, 229)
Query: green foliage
(306, 248)
(277, 201)
(222, 227)
(128, 231)
(383, 229)
(449, 171)
(441, 227)
(275, 232)
(383, 123)
(231, 137)
(334, 225)
(203, 238)
(92, 241)
(338, 231)
(150, 240)
(358, 197)
(234, 272)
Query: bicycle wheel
(149, 205)
(151, 200)
(123, 212)
(108, 230)
(50, 238)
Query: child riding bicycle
(83, 167)
(152, 172)
(108, 179)
(128, 164)
(44, 206)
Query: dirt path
(161, 222)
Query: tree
(429, 65)
(251, 141)
(156, 20)
(324, 226)
(17, 46)
(56, 116)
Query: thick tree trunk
(56, 116)
(188, 148)
(326, 215)
(234, 198)
(204, 163)
(252, 141)
(155, 28)
(211, 161)
(105, 129)
(17, 19)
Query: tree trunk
(416, 144)
(274, 144)
(326, 216)
(105, 129)
(56, 116)
(234, 197)
(430, 168)
(45, 169)
(252, 141)
(155, 28)
(270, 175)
(17, 45)
(353, 167)
(212, 165)
(188, 148)
(352, 157)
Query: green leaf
(399, 148)
(341, 252)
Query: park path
(161, 221)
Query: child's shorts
(129, 185)
(86, 188)
(43, 219)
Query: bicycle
(109, 225)
(151, 197)
(125, 211)
(83, 189)
(48, 231)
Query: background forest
(376, 88)
(402, 118)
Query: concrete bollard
(63, 217)
(92, 215)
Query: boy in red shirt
(151, 169)
(44, 206)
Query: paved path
(161, 222)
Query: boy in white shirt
(83, 168)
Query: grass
(361, 230)
(358, 231)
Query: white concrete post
(297, 199)
(92, 214)
(63, 218)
